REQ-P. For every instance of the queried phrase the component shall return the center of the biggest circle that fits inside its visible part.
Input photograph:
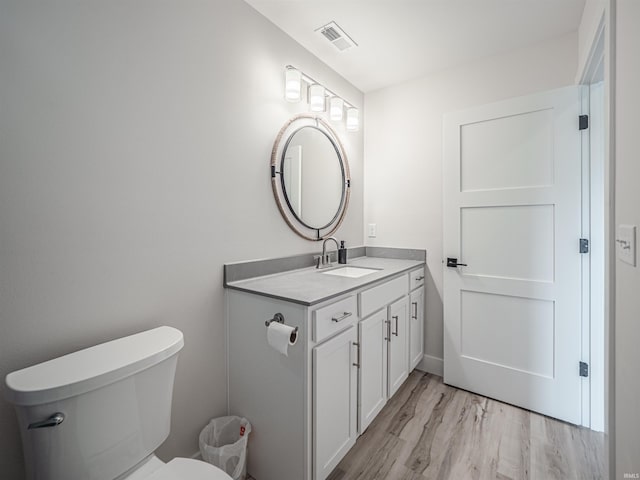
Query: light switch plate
(626, 244)
(372, 230)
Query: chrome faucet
(324, 260)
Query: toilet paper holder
(278, 317)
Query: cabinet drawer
(334, 318)
(382, 295)
(416, 279)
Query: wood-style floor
(429, 430)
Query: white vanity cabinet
(335, 400)
(372, 384)
(416, 317)
(398, 344)
(308, 408)
(384, 341)
(384, 364)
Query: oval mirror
(310, 177)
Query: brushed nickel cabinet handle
(396, 332)
(358, 355)
(415, 314)
(339, 319)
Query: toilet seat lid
(188, 469)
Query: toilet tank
(115, 399)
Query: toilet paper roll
(279, 337)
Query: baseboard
(431, 364)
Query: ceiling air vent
(337, 36)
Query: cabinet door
(399, 344)
(372, 391)
(334, 401)
(416, 327)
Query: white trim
(610, 207)
(431, 364)
(594, 330)
(595, 56)
(585, 384)
(226, 345)
(597, 257)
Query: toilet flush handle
(54, 420)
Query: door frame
(587, 313)
(598, 319)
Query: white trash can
(223, 443)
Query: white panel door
(335, 403)
(512, 214)
(416, 327)
(372, 394)
(398, 329)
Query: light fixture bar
(309, 80)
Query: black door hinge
(584, 369)
(584, 245)
(583, 122)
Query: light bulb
(336, 106)
(316, 98)
(353, 120)
(293, 83)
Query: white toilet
(100, 413)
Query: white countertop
(308, 286)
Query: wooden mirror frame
(279, 146)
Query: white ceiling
(403, 39)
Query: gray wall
(627, 206)
(403, 150)
(134, 149)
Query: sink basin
(351, 272)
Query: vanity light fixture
(293, 85)
(317, 101)
(353, 120)
(317, 98)
(336, 107)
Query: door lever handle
(453, 263)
